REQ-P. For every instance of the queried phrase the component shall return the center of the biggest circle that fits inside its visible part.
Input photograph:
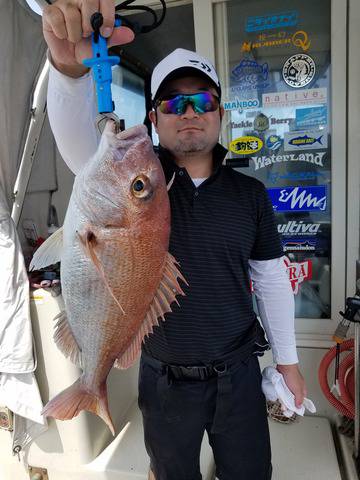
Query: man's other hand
(295, 382)
(67, 30)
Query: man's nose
(189, 111)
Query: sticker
(276, 177)
(316, 158)
(298, 272)
(306, 140)
(299, 245)
(274, 142)
(246, 145)
(299, 70)
(271, 21)
(299, 199)
(250, 74)
(299, 39)
(311, 117)
(261, 123)
(241, 105)
(294, 98)
(298, 228)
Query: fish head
(124, 183)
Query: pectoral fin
(89, 242)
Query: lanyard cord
(135, 25)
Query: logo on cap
(202, 65)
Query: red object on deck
(345, 404)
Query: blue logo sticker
(270, 21)
(273, 142)
(299, 244)
(250, 74)
(276, 177)
(311, 117)
(299, 199)
(307, 140)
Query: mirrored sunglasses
(201, 102)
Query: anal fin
(166, 294)
(65, 340)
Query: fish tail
(69, 403)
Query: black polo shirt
(215, 229)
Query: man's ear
(222, 111)
(153, 119)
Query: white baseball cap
(180, 61)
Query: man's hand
(295, 381)
(67, 28)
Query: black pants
(174, 431)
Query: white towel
(274, 388)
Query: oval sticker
(246, 145)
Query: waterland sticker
(316, 158)
(294, 98)
(310, 117)
(272, 21)
(305, 140)
(298, 272)
(299, 70)
(246, 145)
(299, 199)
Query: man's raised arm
(71, 95)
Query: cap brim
(185, 72)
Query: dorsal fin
(168, 288)
(49, 252)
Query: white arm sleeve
(275, 302)
(71, 105)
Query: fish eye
(138, 185)
(141, 187)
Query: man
(199, 370)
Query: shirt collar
(169, 165)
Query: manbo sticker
(310, 117)
(272, 21)
(305, 140)
(299, 39)
(294, 98)
(246, 145)
(299, 70)
(241, 105)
